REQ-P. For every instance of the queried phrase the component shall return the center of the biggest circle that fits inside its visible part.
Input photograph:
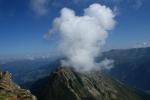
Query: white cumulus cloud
(82, 37)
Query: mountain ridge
(67, 84)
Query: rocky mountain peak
(67, 84)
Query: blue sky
(23, 24)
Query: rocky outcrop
(11, 91)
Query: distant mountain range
(131, 66)
(29, 70)
(67, 84)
